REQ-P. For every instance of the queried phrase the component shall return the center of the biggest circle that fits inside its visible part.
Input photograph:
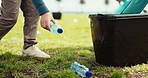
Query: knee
(8, 21)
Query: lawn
(74, 44)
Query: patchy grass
(75, 44)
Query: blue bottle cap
(88, 74)
(59, 30)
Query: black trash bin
(120, 40)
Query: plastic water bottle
(81, 70)
(55, 28)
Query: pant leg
(30, 27)
(9, 14)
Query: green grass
(75, 44)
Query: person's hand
(45, 20)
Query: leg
(30, 29)
(31, 19)
(9, 14)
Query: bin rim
(120, 16)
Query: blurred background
(81, 6)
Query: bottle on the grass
(81, 70)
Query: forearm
(40, 6)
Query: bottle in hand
(55, 29)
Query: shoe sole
(35, 56)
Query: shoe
(35, 52)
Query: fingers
(45, 25)
(45, 21)
(52, 20)
(42, 24)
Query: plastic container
(55, 29)
(81, 70)
(120, 39)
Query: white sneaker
(35, 52)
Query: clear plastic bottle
(55, 29)
(81, 70)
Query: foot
(35, 52)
